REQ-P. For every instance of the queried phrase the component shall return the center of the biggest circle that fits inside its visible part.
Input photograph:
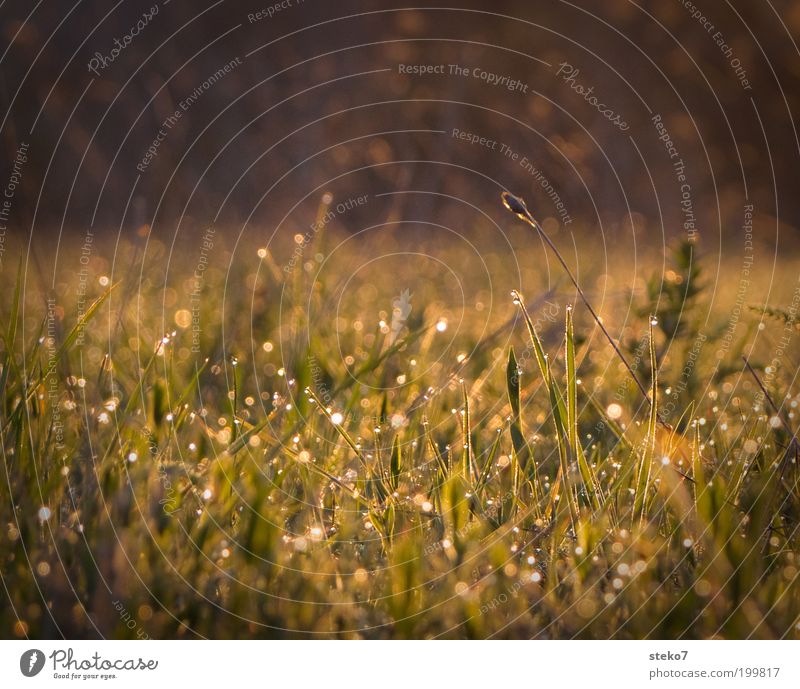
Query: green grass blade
(556, 407)
(645, 465)
(395, 464)
(522, 455)
(470, 468)
(590, 481)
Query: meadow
(398, 434)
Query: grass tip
(515, 204)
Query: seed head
(515, 204)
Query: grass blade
(645, 465)
(591, 484)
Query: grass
(331, 465)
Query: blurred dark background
(309, 111)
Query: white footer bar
(386, 664)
